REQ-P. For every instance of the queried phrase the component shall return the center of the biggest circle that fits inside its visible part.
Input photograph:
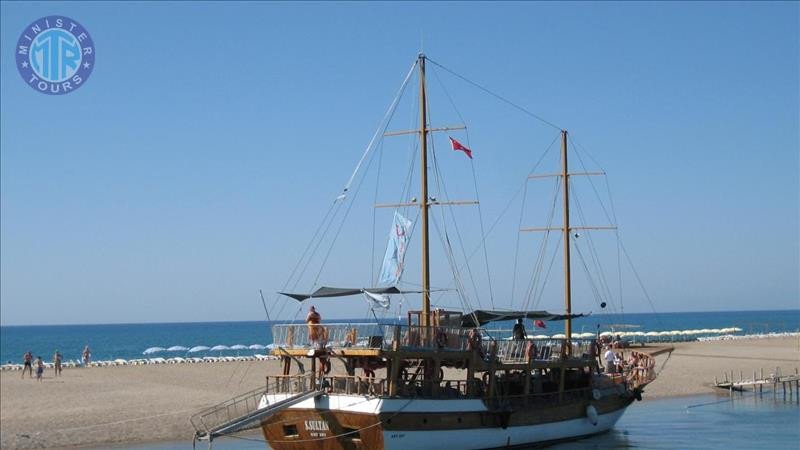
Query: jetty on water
(786, 383)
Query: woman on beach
(86, 355)
(27, 359)
(57, 363)
(39, 368)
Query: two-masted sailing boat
(438, 380)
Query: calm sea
(128, 341)
(706, 422)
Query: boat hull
(350, 422)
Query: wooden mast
(567, 276)
(423, 203)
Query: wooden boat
(439, 380)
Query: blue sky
(195, 164)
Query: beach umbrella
(638, 333)
(257, 347)
(737, 329)
(152, 350)
(541, 336)
(219, 348)
(715, 331)
(238, 347)
(606, 333)
(704, 331)
(177, 348)
(559, 336)
(199, 348)
(651, 333)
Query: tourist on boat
(57, 363)
(27, 360)
(39, 368)
(519, 331)
(609, 358)
(475, 342)
(313, 320)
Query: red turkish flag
(539, 324)
(457, 146)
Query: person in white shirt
(609, 357)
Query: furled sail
(393, 262)
(325, 291)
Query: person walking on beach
(86, 355)
(27, 360)
(39, 368)
(313, 320)
(57, 363)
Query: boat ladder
(241, 413)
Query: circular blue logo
(55, 55)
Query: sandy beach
(132, 404)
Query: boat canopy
(484, 316)
(326, 291)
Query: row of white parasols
(704, 331)
(203, 348)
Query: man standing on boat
(609, 358)
(519, 331)
(313, 320)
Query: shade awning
(326, 291)
(484, 316)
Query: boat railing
(334, 384)
(336, 335)
(370, 335)
(212, 419)
(511, 351)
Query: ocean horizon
(129, 341)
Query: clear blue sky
(192, 168)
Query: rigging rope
(497, 96)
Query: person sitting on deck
(313, 320)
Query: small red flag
(539, 324)
(457, 146)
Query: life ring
(596, 394)
(591, 414)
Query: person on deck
(609, 358)
(313, 320)
(519, 332)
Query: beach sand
(102, 406)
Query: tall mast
(423, 204)
(567, 276)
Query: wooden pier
(787, 384)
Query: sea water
(704, 422)
(128, 341)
